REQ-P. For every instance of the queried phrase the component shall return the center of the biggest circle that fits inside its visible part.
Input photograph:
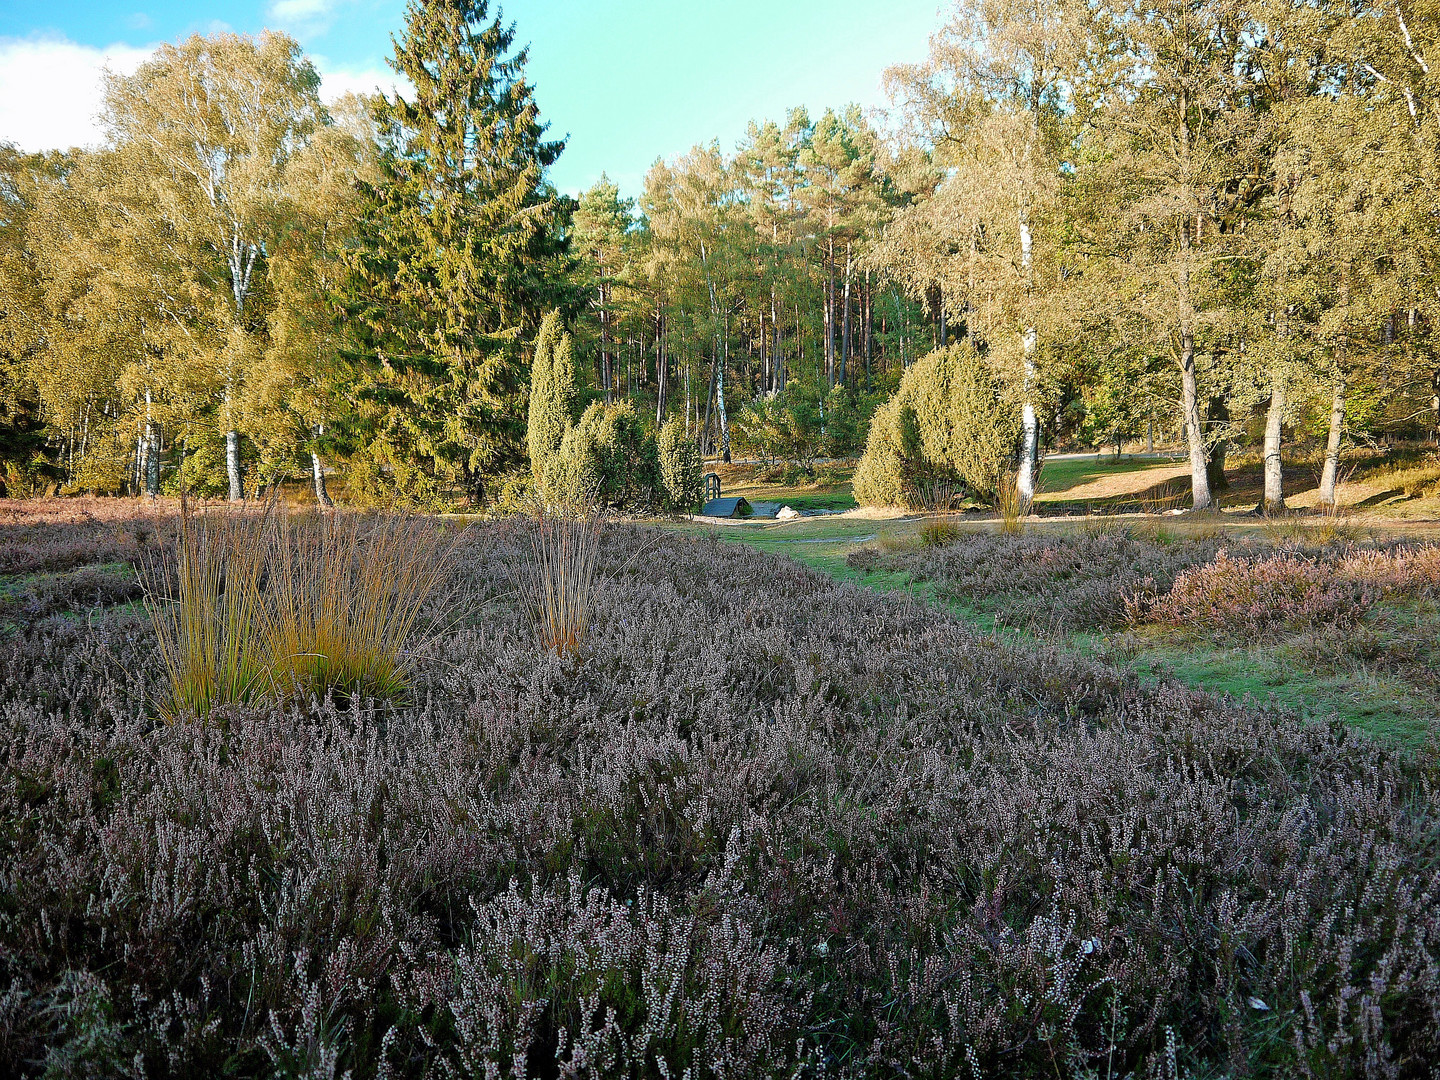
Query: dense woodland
(1211, 223)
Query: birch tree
(206, 130)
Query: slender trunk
(1029, 421)
(1150, 438)
(869, 327)
(232, 466)
(141, 473)
(322, 496)
(1194, 431)
(1330, 476)
(1217, 418)
(830, 318)
(705, 444)
(779, 373)
(662, 368)
(1273, 501)
(1189, 387)
(720, 398)
(152, 460)
(847, 336)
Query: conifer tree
(552, 395)
(462, 251)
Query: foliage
(458, 253)
(608, 458)
(783, 427)
(552, 396)
(681, 467)
(951, 423)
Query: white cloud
(50, 91)
(301, 10)
(51, 94)
(336, 83)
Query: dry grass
(258, 604)
(1010, 505)
(556, 585)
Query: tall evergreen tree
(462, 249)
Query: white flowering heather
(625, 862)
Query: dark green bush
(950, 428)
(608, 459)
(681, 467)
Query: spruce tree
(462, 250)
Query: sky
(627, 81)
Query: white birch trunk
(1330, 476)
(1274, 498)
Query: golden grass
(1010, 505)
(556, 586)
(273, 604)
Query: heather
(1050, 580)
(758, 823)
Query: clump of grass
(344, 594)
(938, 531)
(258, 604)
(206, 617)
(557, 584)
(1011, 505)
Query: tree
(204, 132)
(1171, 177)
(552, 398)
(994, 100)
(461, 250)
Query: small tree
(681, 467)
(552, 397)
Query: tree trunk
(830, 318)
(662, 369)
(1194, 432)
(321, 495)
(152, 459)
(720, 399)
(1330, 476)
(1029, 421)
(1217, 415)
(1273, 501)
(232, 466)
(847, 337)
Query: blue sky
(627, 80)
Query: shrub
(1092, 578)
(552, 397)
(681, 467)
(1258, 595)
(608, 459)
(816, 831)
(784, 427)
(951, 424)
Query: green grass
(1061, 475)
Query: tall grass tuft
(556, 586)
(270, 604)
(1010, 505)
(343, 595)
(205, 612)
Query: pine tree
(462, 251)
